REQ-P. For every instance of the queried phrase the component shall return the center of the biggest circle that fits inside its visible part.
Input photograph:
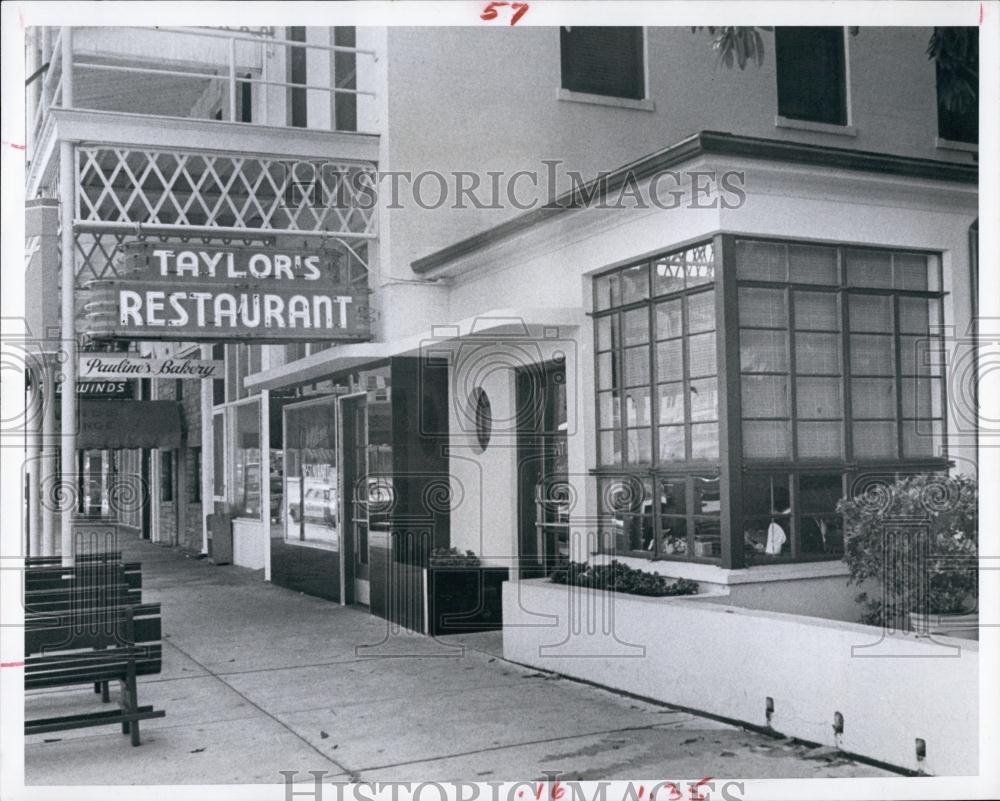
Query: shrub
(918, 539)
(452, 557)
(621, 578)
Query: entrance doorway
(354, 440)
(543, 493)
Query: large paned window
(840, 367)
(658, 409)
(834, 371)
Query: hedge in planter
(618, 577)
(918, 539)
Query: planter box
(464, 599)
(729, 661)
(965, 627)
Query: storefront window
(840, 363)
(797, 397)
(310, 465)
(246, 499)
(836, 368)
(656, 361)
(658, 405)
(683, 523)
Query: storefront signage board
(241, 294)
(100, 365)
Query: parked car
(319, 501)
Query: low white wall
(248, 544)
(816, 589)
(727, 661)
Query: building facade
(623, 302)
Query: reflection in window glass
(310, 493)
(246, 498)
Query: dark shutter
(811, 79)
(602, 61)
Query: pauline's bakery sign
(247, 294)
(108, 366)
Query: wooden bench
(96, 646)
(95, 556)
(50, 577)
(53, 589)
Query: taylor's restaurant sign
(250, 294)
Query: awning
(496, 322)
(128, 424)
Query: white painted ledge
(605, 100)
(815, 127)
(951, 144)
(713, 574)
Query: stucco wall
(501, 112)
(728, 661)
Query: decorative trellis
(178, 189)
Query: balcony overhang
(184, 133)
(494, 325)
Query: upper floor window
(812, 82)
(957, 78)
(603, 61)
(297, 97)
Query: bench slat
(44, 725)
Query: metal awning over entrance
(497, 322)
(128, 424)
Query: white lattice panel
(224, 190)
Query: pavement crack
(258, 707)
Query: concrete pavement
(258, 679)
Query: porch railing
(54, 65)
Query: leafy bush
(918, 539)
(621, 578)
(452, 557)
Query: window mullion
(792, 408)
(793, 517)
(897, 380)
(847, 364)
(618, 348)
(685, 377)
(654, 411)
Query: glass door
(543, 492)
(354, 438)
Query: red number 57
(490, 12)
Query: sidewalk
(258, 679)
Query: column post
(46, 478)
(33, 448)
(730, 425)
(66, 47)
(207, 453)
(67, 199)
